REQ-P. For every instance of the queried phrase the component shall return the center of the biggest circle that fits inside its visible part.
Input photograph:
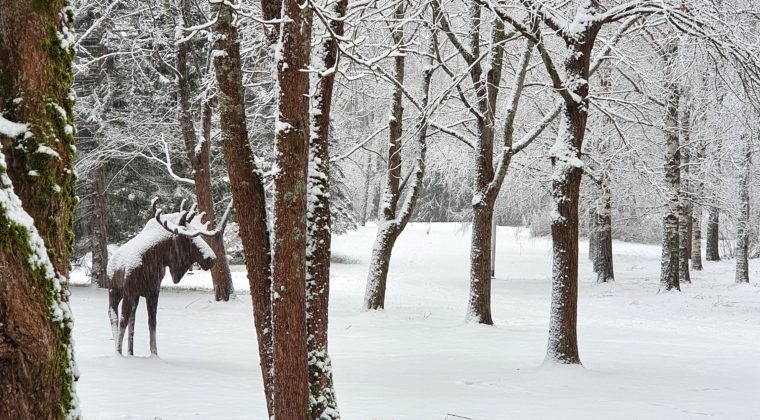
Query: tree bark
(198, 156)
(291, 375)
(669, 276)
(712, 236)
(684, 216)
(742, 225)
(37, 367)
(593, 236)
(247, 188)
(566, 180)
(324, 405)
(603, 266)
(99, 244)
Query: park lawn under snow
(646, 355)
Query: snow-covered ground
(688, 355)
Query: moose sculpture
(137, 267)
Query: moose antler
(183, 226)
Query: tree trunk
(669, 278)
(366, 190)
(377, 278)
(684, 217)
(198, 155)
(566, 181)
(742, 225)
(593, 236)
(247, 188)
(37, 367)
(712, 236)
(479, 302)
(99, 229)
(696, 209)
(603, 257)
(323, 401)
(563, 340)
(291, 375)
(484, 192)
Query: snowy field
(689, 355)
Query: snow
(11, 129)
(646, 355)
(46, 150)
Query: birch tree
(742, 222)
(669, 273)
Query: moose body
(137, 268)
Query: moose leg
(126, 315)
(131, 333)
(114, 297)
(152, 303)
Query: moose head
(187, 245)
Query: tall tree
(387, 232)
(323, 401)
(291, 377)
(246, 185)
(489, 174)
(742, 222)
(669, 278)
(37, 367)
(198, 154)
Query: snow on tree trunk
(198, 154)
(669, 278)
(566, 181)
(291, 373)
(323, 402)
(37, 367)
(742, 222)
(245, 183)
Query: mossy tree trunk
(37, 369)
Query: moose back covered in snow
(137, 267)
